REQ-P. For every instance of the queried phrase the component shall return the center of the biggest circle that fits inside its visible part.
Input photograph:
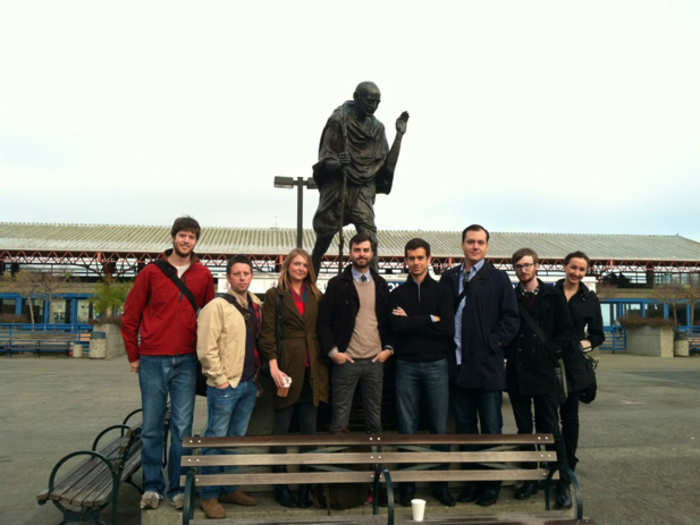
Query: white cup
(418, 509)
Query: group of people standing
(449, 339)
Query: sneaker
(150, 500)
(212, 508)
(177, 501)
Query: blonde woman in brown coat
(298, 299)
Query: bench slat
(356, 438)
(367, 476)
(100, 491)
(67, 482)
(348, 458)
(354, 519)
(96, 493)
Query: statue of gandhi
(354, 164)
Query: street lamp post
(289, 183)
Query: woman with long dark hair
(584, 308)
(292, 306)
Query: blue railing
(615, 339)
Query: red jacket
(164, 316)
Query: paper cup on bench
(418, 509)
(284, 390)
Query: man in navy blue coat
(486, 320)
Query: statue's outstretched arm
(393, 156)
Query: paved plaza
(639, 452)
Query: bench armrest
(130, 415)
(109, 429)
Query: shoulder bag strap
(171, 274)
(558, 362)
(534, 326)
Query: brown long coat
(298, 335)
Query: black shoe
(443, 496)
(303, 500)
(407, 491)
(526, 490)
(284, 497)
(468, 494)
(562, 496)
(488, 497)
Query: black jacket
(531, 361)
(417, 337)
(339, 307)
(489, 322)
(584, 309)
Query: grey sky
(525, 116)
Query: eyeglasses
(525, 266)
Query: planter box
(648, 340)
(113, 342)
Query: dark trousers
(546, 421)
(476, 409)
(569, 428)
(346, 378)
(307, 416)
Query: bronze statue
(354, 164)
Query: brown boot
(212, 509)
(238, 497)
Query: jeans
(158, 377)
(229, 410)
(417, 382)
(467, 403)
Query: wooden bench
(495, 458)
(93, 483)
(38, 342)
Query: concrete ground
(640, 440)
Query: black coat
(531, 361)
(489, 322)
(416, 337)
(584, 309)
(338, 310)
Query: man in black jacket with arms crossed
(423, 323)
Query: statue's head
(367, 98)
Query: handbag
(559, 369)
(588, 394)
(171, 273)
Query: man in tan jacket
(227, 348)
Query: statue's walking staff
(343, 191)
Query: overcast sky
(554, 116)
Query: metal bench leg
(389, 497)
(188, 509)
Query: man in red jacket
(165, 358)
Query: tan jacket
(221, 336)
